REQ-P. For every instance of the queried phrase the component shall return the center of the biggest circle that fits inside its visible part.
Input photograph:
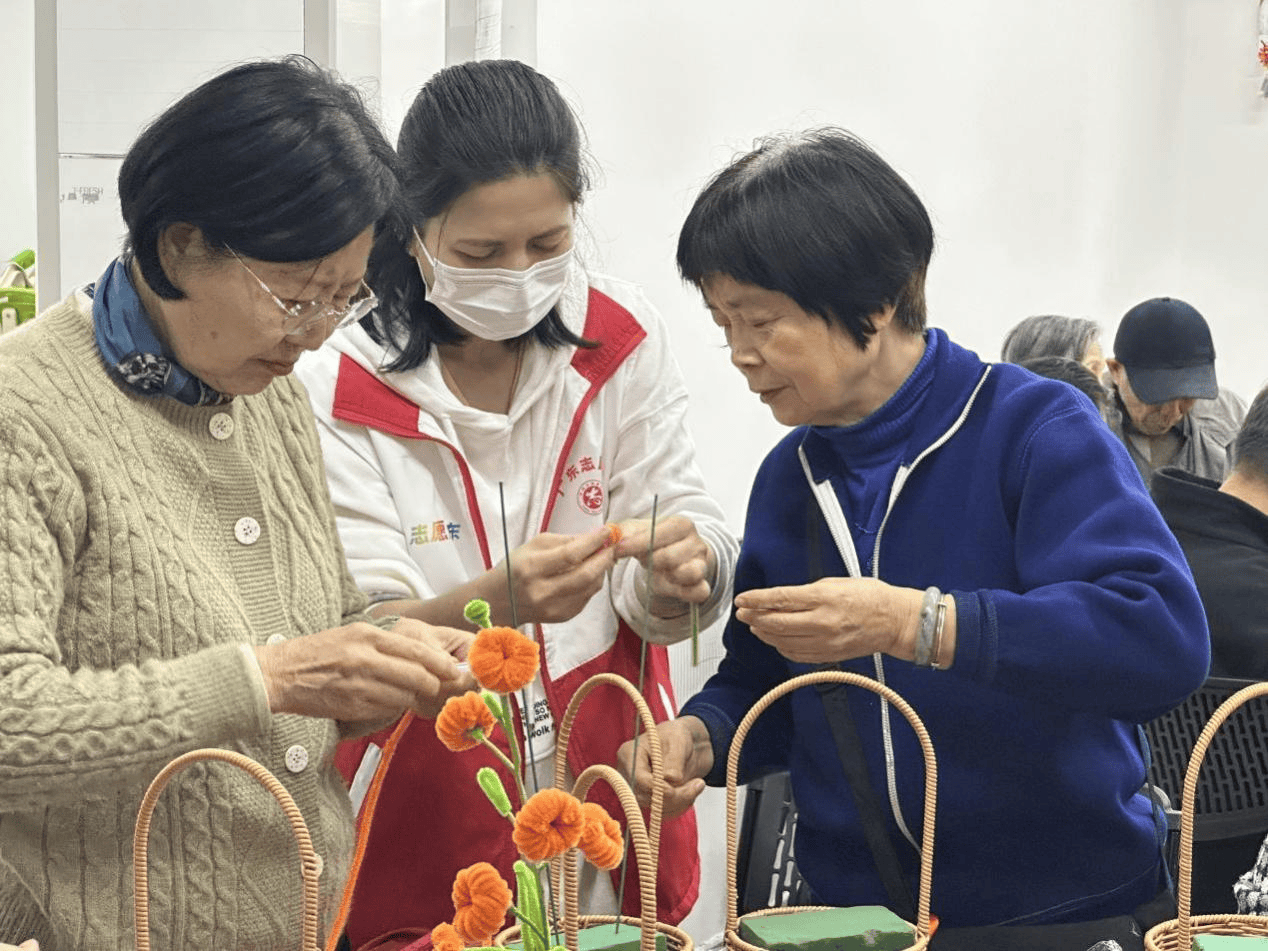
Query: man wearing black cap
(1173, 412)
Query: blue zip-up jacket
(1077, 619)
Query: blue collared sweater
(1077, 619)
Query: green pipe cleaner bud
(477, 612)
(493, 703)
(531, 906)
(494, 789)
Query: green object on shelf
(17, 290)
(863, 928)
(1229, 942)
(17, 305)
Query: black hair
(471, 124)
(1049, 335)
(821, 218)
(1250, 451)
(1073, 372)
(278, 160)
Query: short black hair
(1049, 335)
(1250, 451)
(278, 160)
(1073, 372)
(820, 217)
(471, 124)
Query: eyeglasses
(302, 316)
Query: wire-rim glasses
(302, 316)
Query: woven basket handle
(931, 783)
(141, 839)
(650, 734)
(643, 854)
(1184, 864)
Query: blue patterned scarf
(132, 350)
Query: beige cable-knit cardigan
(128, 588)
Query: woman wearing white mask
(503, 396)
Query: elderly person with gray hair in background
(1051, 335)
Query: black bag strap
(836, 704)
(845, 733)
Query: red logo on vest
(590, 497)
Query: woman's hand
(554, 576)
(834, 619)
(362, 672)
(28, 945)
(686, 755)
(682, 566)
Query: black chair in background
(766, 867)
(1231, 806)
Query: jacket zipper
(830, 506)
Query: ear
(179, 245)
(181, 249)
(1116, 370)
(883, 319)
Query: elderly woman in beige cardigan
(172, 577)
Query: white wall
(413, 47)
(17, 133)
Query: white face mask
(495, 303)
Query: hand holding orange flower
(601, 842)
(550, 823)
(503, 660)
(464, 722)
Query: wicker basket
(141, 840)
(1177, 934)
(921, 927)
(644, 839)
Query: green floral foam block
(865, 928)
(1229, 942)
(611, 938)
(606, 938)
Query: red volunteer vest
(425, 818)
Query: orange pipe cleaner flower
(601, 841)
(503, 660)
(480, 901)
(463, 721)
(550, 823)
(445, 937)
(614, 534)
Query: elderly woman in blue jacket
(969, 534)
